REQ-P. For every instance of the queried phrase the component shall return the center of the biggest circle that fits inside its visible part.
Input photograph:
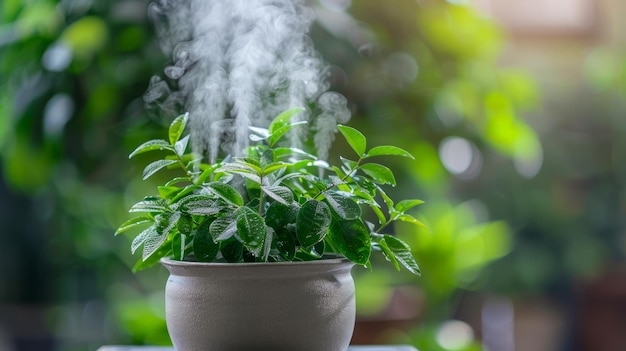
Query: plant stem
(343, 179)
(261, 197)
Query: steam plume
(239, 63)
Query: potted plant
(260, 247)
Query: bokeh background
(514, 109)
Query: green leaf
(241, 170)
(343, 205)
(149, 204)
(249, 163)
(348, 163)
(388, 253)
(166, 192)
(226, 192)
(402, 252)
(164, 227)
(200, 204)
(283, 119)
(386, 198)
(186, 191)
(281, 194)
(278, 215)
(379, 213)
(185, 224)
(223, 228)
(164, 251)
(258, 134)
(352, 239)
(177, 180)
(312, 222)
(356, 140)
(156, 166)
(410, 219)
(267, 244)
(206, 173)
(251, 229)
(132, 223)
(274, 167)
(281, 152)
(276, 135)
(204, 248)
(406, 205)
(179, 242)
(379, 173)
(232, 250)
(285, 243)
(388, 150)
(151, 146)
(177, 127)
(181, 146)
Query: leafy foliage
(271, 205)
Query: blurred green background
(515, 111)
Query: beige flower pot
(298, 306)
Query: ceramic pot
(287, 306)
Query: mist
(239, 63)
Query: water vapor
(239, 63)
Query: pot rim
(331, 260)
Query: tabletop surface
(351, 348)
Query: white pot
(290, 306)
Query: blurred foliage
(71, 78)
(431, 70)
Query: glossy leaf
(388, 150)
(232, 250)
(388, 201)
(181, 146)
(163, 229)
(185, 224)
(275, 167)
(343, 205)
(206, 173)
(151, 145)
(167, 192)
(352, 239)
(177, 180)
(382, 244)
(149, 204)
(132, 223)
(267, 244)
(179, 242)
(223, 228)
(402, 252)
(283, 119)
(278, 215)
(164, 251)
(241, 170)
(406, 205)
(379, 173)
(177, 127)
(204, 248)
(355, 139)
(156, 166)
(281, 152)
(202, 207)
(410, 219)
(285, 243)
(226, 192)
(278, 133)
(251, 229)
(281, 194)
(312, 222)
